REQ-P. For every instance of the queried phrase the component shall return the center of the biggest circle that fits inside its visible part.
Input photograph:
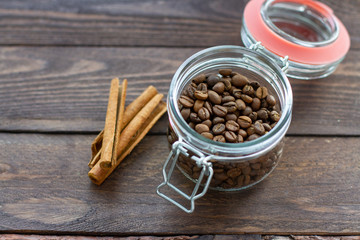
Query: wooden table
(57, 60)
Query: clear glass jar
(225, 166)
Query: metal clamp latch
(201, 160)
(284, 60)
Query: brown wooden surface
(61, 89)
(46, 188)
(56, 62)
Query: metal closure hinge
(201, 160)
(284, 61)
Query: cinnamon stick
(97, 174)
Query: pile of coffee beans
(228, 107)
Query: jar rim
(245, 149)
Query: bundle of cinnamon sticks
(124, 128)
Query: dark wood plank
(45, 189)
(65, 89)
(137, 23)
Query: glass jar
(225, 166)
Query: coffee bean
(244, 121)
(250, 130)
(259, 128)
(246, 98)
(239, 81)
(253, 116)
(264, 103)
(240, 139)
(198, 104)
(247, 111)
(207, 123)
(194, 118)
(200, 128)
(199, 79)
(262, 92)
(186, 101)
(203, 114)
(242, 133)
(256, 104)
(253, 137)
(267, 127)
(270, 99)
(219, 110)
(212, 80)
(236, 93)
(230, 136)
(232, 126)
(240, 104)
(225, 72)
(255, 84)
(219, 138)
(214, 97)
(262, 114)
(226, 99)
(230, 116)
(208, 106)
(217, 120)
(201, 95)
(207, 135)
(231, 107)
(218, 128)
(219, 87)
(190, 91)
(274, 116)
(185, 113)
(227, 83)
(192, 125)
(226, 94)
(234, 172)
(248, 90)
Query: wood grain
(137, 23)
(65, 89)
(45, 189)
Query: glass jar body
(235, 165)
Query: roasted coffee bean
(200, 128)
(246, 98)
(202, 87)
(239, 81)
(230, 136)
(274, 116)
(237, 93)
(219, 87)
(201, 95)
(253, 137)
(199, 79)
(207, 123)
(231, 116)
(207, 135)
(190, 91)
(256, 104)
(198, 104)
(227, 83)
(255, 84)
(217, 120)
(244, 121)
(240, 139)
(270, 99)
(226, 94)
(208, 106)
(225, 72)
(194, 118)
(259, 128)
(250, 130)
(253, 116)
(185, 113)
(186, 101)
(273, 125)
(262, 114)
(231, 107)
(192, 125)
(219, 138)
(212, 80)
(218, 128)
(219, 110)
(240, 104)
(266, 126)
(203, 114)
(248, 90)
(262, 92)
(214, 97)
(226, 99)
(264, 103)
(242, 133)
(231, 125)
(247, 111)
(234, 172)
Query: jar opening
(306, 23)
